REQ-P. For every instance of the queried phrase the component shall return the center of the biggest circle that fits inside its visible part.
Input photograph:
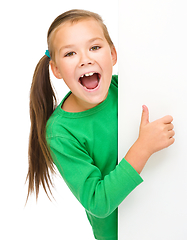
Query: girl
(80, 135)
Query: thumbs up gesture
(153, 137)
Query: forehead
(82, 30)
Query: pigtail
(42, 104)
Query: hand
(155, 135)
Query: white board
(153, 71)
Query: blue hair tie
(47, 53)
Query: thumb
(145, 115)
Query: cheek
(65, 70)
(107, 58)
(68, 65)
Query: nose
(85, 59)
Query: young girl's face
(81, 49)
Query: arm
(99, 196)
(153, 137)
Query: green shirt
(84, 147)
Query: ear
(55, 70)
(114, 55)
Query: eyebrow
(89, 41)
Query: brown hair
(43, 103)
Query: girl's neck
(72, 105)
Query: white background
(153, 71)
(23, 26)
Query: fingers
(171, 141)
(156, 135)
(169, 126)
(167, 119)
(171, 133)
(145, 115)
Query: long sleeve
(99, 195)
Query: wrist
(137, 156)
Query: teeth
(88, 74)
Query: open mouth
(90, 80)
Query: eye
(95, 48)
(70, 54)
